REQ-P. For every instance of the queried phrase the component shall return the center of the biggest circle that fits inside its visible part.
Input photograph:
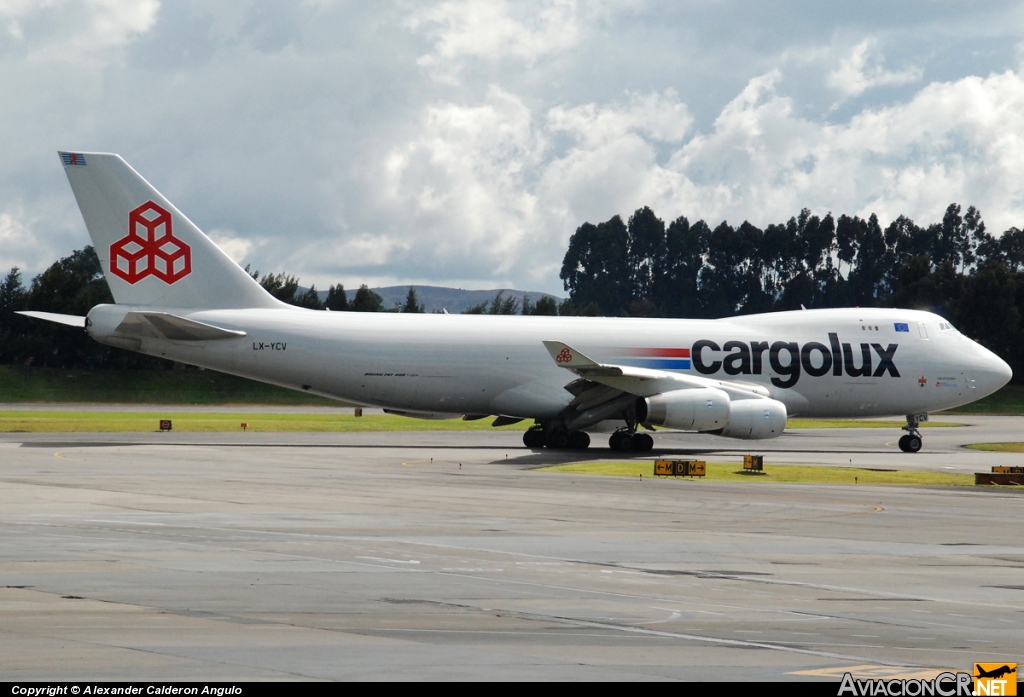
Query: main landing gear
(626, 442)
(911, 443)
(557, 438)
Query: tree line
(75, 284)
(645, 268)
(955, 268)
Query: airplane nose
(990, 371)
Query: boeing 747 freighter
(179, 296)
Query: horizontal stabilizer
(70, 320)
(173, 328)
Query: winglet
(567, 357)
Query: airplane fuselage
(837, 363)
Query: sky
(461, 143)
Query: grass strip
(191, 422)
(1008, 401)
(861, 423)
(17, 421)
(804, 474)
(183, 385)
(998, 447)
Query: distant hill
(435, 298)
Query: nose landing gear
(911, 443)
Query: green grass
(1008, 401)
(190, 422)
(733, 472)
(179, 386)
(998, 447)
(861, 423)
(18, 421)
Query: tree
(545, 306)
(728, 276)
(337, 299)
(646, 250)
(676, 291)
(567, 308)
(12, 292)
(988, 307)
(865, 280)
(72, 285)
(309, 299)
(595, 268)
(411, 302)
(500, 305)
(281, 286)
(1011, 249)
(366, 300)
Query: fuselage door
(922, 330)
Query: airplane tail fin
(151, 254)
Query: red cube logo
(150, 249)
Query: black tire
(914, 444)
(903, 443)
(558, 439)
(533, 439)
(621, 441)
(643, 443)
(579, 440)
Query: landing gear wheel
(643, 443)
(911, 443)
(558, 439)
(579, 440)
(621, 441)
(534, 438)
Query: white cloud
(464, 142)
(491, 29)
(71, 31)
(238, 248)
(862, 70)
(661, 117)
(488, 182)
(465, 180)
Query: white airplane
(178, 296)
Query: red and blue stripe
(657, 358)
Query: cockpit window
(946, 326)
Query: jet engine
(710, 410)
(755, 419)
(700, 409)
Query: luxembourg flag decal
(72, 158)
(658, 358)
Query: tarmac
(448, 556)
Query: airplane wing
(642, 382)
(608, 391)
